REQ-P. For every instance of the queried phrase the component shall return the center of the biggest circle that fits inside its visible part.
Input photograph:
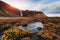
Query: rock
(26, 38)
(39, 28)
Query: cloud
(49, 7)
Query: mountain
(30, 13)
(7, 10)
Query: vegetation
(16, 34)
(51, 29)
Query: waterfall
(21, 14)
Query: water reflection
(34, 27)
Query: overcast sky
(49, 7)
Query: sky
(48, 7)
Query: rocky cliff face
(8, 11)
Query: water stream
(33, 27)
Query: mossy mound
(16, 34)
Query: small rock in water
(39, 28)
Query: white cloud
(40, 6)
(50, 9)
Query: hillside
(7, 10)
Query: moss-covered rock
(15, 34)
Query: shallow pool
(33, 26)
